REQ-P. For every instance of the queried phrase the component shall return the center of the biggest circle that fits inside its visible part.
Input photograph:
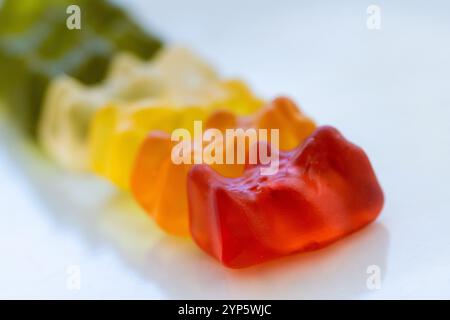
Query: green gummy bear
(36, 46)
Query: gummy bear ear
(284, 115)
(326, 149)
(279, 110)
(203, 176)
(222, 120)
(285, 106)
(317, 146)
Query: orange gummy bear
(159, 185)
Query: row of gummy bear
(116, 122)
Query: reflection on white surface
(386, 90)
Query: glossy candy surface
(159, 184)
(36, 45)
(324, 190)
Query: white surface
(386, 90)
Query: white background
(386, 90)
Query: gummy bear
(324, 190)
(159, 185)
(36, 45)
(118, 130)
(69, 105)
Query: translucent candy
(36, 46)
(69, 106)
(324, 190)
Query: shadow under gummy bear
(112, 220)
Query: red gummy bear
(324, 190)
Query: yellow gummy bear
(118, 130)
